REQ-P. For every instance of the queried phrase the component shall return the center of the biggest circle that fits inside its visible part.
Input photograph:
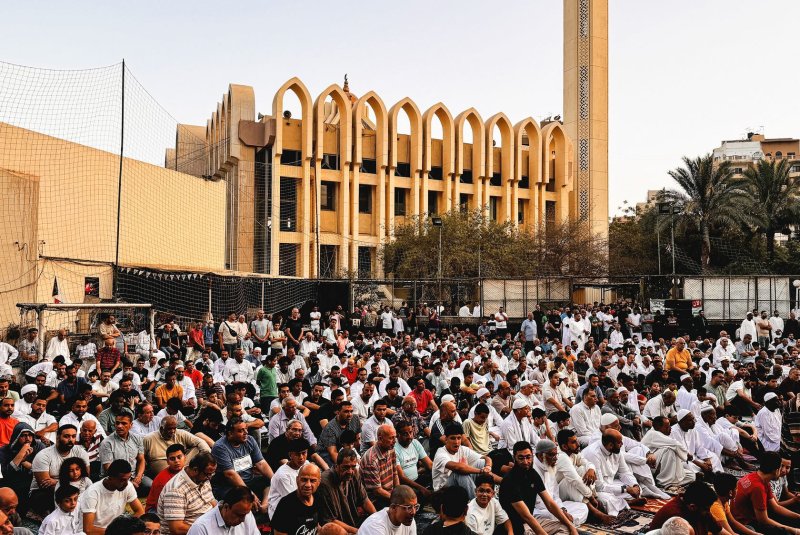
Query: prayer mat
(652, 506)
(628, 522)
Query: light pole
(437, 222)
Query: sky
(683, 75)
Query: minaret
(586, 106)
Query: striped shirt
(183, 499)
(378, 469)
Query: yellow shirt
(678, 360)
(718, 511)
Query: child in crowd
(484, 513)
(64, 520)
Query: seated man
(672, 458)
(187, 495)
(122, 444)
(410, 454)
(455, 464)
(755, 504)
(702, 459)
(176, 460)
(585, 418)
(661, 405)
(156, 444)
(379, 468)
(484, 514)
(105, 500)
(517, 427)
(239, 462)
(342, 494)
(694, 506)
(284, 482)
(614, 477)
(544, 463)
(576, 476)
(278, 450)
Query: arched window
(778, 155)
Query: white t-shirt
(105, 504)
(442, 457)
(379, 524)
(484, 521)
(49, 460)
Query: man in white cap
(544, 462)
(724, 348)
(517, 426)
(495, 420)
(640, 459)
(614, 476)
(527, 394)
(661, 405)
(585, 418)
(719, 440)
(702, 459)
(687, 396)
(27, 397)
(768, 423)
(672, 458)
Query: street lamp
(437, 222)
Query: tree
(474, 246)
(708, 197)
(774, 198)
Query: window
(520, 211)
(365, 262)
(433, 202)
(550, 213)
(287, 260)
(327, 196)
(288, 204)
(364, 199)
(795, 169)
(368, 166)
(327, 261)
(737, 170)
(291, 157)
(493, 206)
(399, 201)
(463, 202)
(524, 182)
(403, 169)
(330, 161)
(466, 176)
(778, 155)
(436, 173)
(790, 156)
(496, 180)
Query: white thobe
(748, 327)
(657, 407)
(733, 440)
(615, 339)
(577, 509)
(719, 352)
(636, 457)
(577, 333)
(586, 422)
(768, 424)
(570, 470)
(513, 430)
(694, 445)
(671, 460)
(777, 325)
(612, 473)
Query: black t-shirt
(395, 404)
(438, 528)
(325, 412)
(277, 451)
(519, 485)
(293, 517)
(295, 327)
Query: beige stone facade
(341, 177)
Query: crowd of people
(336, 423)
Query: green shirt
(267, 381)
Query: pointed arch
(441, 112)
(507, 149)
(339, 97)
(478, 164)
(381, 129)
(529, 128)
(299, 89)
(415, 119)
(555, 148)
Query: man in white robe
(661, 405)
(713, 433)
(585, 417)
(723, 349)
(576, 477)
(702, 459)
(517, 426)
(577, 331)
(768, 423)
(672, 468)
(687, 396)
(544, 463)
(614, 477)
(639, 458)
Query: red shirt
(159, 483)
(702, 522)
(107, 357)
(6, 428)
(423, 399)
(197, 378)
(751, 494)
(351, 376)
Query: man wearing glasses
(518, 494)
(398, 518)
(187, 495)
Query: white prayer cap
(448, 397)
(537, 348)
(28, 388)
(622, 390)
(770, 395)
(683, 413)
(525, 383)
(608, 419)
(707, 407)
(481, 392)
(725, 357)
(519, 404)
(704, 361)
(535, 383)
(685, 376)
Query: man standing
(763, 329)
(105, 500)
(529, 331)
(519, 491)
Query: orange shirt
(6, 428)
(678, 360)
(162, 394)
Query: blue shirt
(242, 459)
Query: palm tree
(774, 198)
(708, 197)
